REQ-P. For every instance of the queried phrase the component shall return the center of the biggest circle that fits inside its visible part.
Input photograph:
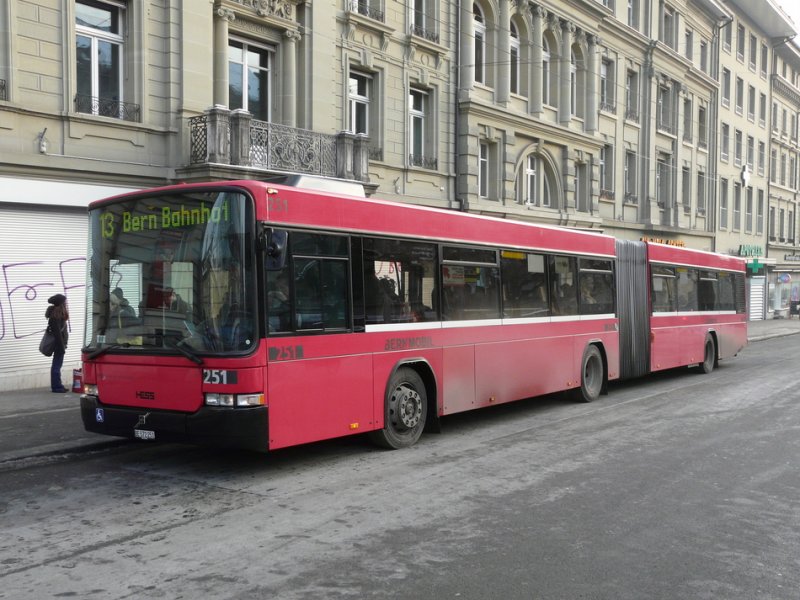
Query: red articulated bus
(262, 315)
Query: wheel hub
(407, 406)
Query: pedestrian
(57, 316)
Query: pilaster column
(223, 16)
(535, 92)
(565, 80)
(289, 103)
(504, 53)
(467, 67)
(591, 84)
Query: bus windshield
(172, 273)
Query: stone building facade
(598, 114)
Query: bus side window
(687, 289)
(563, 295)
(662, 289)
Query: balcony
(107, 107)
(223, 137)
(363, 8)
(608, 106)
(425, 34)
(425, 162)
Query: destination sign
(167, 218)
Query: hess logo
(142, 395)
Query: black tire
(592, 375)
(405, 411)
(709, 356)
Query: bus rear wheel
(405, 411)
(709, 356)
(592, 375)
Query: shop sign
(784, 278)
(791, 257)
(679, 243)
(750, 250)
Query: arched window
(514, 50)
(577, 81)
(535, 182)
(479, 26)
(573, 83)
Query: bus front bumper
(246, 427)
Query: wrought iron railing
(607, 194)
(284, 148)
(425, 162)
(3, 92)
(609, 107)
(363, 8)
(375, 153)
(107, 107)
(198, 139)
(665, 127)
(631, 114)
(630, 198)
(419, 31)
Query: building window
(688, 38)
(739, 95)
(419, 127)
(479, 25)
(669, 26)
(702, 128)
(688, 117)
(424, 23)
(737, 148)
(664, 110)
(772, 222)
(783, 168)
(790, 234)
(632, 96)
(249, 78)
(483, 170)
(686, 189)
(607, 171)
(704, 56)
(514, 59)
(773, 166)
(607, 85)
(760, 213)
(533, 183)
(727, 36)
(751, 151)
(633, 14)
(740, 41)
(762, 157)
(582, 197)
(630, 176)
(753, 52)
(725, 142)
(359, 93)
(737, 206)
(547, 98)
(723, 203)
(781, 224)
(664, 182)
(748, 211)
(774, 116)
(99, 60)
(762, 110)
(751, 103)
(701, 192)
(764, 59)
(726, 87)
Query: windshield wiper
(104, 349)
(186, 352)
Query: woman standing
(57, 316)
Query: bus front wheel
(405, 411)
(592, 375)
(709, 356)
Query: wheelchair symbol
(99, 416)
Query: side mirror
(275, 249)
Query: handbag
(48, 344)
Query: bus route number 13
(219, 376)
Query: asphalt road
(677, 486)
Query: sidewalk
(38, 423)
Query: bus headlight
(231, 400)
(214, 399)
(249, 399)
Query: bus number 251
(219, 376)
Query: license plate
(144, 434)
